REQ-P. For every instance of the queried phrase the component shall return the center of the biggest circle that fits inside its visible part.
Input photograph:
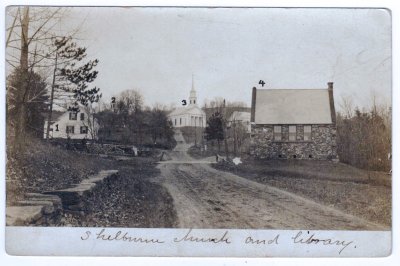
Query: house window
(307, 132)
(82, 116)
(73, 116)
(84, 130)
(175, 121)
(180, 121)
(70, 130)
(292, 133)
(278, 133)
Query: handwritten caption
(299, 238)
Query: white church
(190, 115)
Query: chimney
(253, 105)
(331, 102)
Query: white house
(242, 118)
(189, 116)
(75, 125)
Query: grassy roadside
(362, 193)
(43, 167)
(130, 201)
(366, 194)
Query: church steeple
(193, 97)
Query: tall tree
(364, 138)
(29, 38)
(71, 79)
(215, 128)
(36, 106)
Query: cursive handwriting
(250, 240)
(121, 236)
(188, 237)
(298, 239)
(301, 237)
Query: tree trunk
(226, 147)
(226, 141)
(51, 101)
(24, 40)
(21, 110)
(20, 128)
(21, 118)
(235, 144)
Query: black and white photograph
(226, 126)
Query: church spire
(193, 97)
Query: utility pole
(51, 98)
(234, 138)
(224, 129)
(195, 132)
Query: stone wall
(45, 208)
(322, 145)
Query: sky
(228, 50)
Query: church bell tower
(193, 97)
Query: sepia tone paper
(177, 131)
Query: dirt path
(207, 198)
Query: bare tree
(28, 46)
(130, 101)
(90, 122)
(347, 106)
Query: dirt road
(207, 198)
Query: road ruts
(208, 198)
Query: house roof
(240, 116)
(195, 110)
(292, 106)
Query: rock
(37, 207)
(71, 197)
(21, 215)
(47, 206)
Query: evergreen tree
(71, 78)
(36, 103)
(214, 129)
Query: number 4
(261, 82)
